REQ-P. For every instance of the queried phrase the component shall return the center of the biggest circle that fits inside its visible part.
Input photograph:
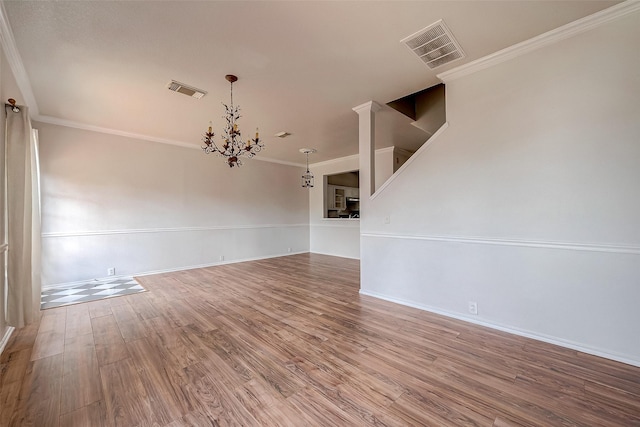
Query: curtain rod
(12, 102)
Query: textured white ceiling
(302, 65)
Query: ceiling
(302, 65)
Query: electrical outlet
(387, 219)
(288, 249)
(111, 271)
(221, 257)
(473, 307)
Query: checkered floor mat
(90, 291)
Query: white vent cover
(186, 89)
(434, 45)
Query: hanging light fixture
(233, 147)
(307, 177)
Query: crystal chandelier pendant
(232, 147)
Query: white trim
(3, 247)
(398, 150)
(334, 254)
(571, 246)
(5, 338)
(423, 147)
(280, 162)
(166, 230)
(15, 63)
(516, 331)
(350, 157)
(420, 126)
(550, 37)
(367, 106)
(142, 137)
(84, 126)
(355, 157)
(385, 149)
(170, 270)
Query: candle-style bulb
(256, 133)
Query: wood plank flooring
(290, 342)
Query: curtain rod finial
(13, 105)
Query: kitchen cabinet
(336, 198)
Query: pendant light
(307, 177)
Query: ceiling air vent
(186, 89)
(434, 45)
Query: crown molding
(17, 67)
(15, 62)
(280, 162)
(83, 126)
(353, 157)
(550, 37)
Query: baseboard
(5, 338)
(168, 270)
(336, 255)
(508, 329)
(234, 261)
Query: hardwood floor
(289, 341)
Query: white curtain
(23, 219)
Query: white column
(367, 144)
(367, 150)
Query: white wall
(340, 236)
(529, 202)
(139, 206)
(331, 236)
(385, 161)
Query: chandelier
(307, 177)
(232, 147)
